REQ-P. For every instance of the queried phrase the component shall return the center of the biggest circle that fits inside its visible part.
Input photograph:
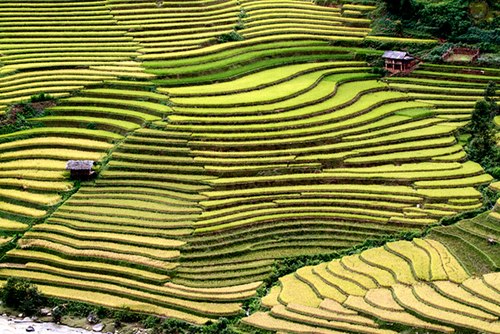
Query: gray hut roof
(397, 55)
(79, 164)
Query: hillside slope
(227, 135)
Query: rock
(45, 311)
(27, 319)
(20, 315)
(30, 329)
(92, 318)
(98, 327)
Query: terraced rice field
(423, 284)
(215, 159)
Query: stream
(12, 325)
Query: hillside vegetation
(231, 134)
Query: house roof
(79, 164)
(397, 55)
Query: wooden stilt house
(399, 61)
(80, 169)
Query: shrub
(151, 321)
(16, 118)
(127, 316)
(233, 36)
(41, 97)
(57, 314)
(326, 2)
(487, 40)
(239, 26)
(379, 71)
(21, 295)
(243, 13)
(399, 6)
(490, 60)
(436, 53)
(173, 326)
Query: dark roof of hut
(397, 55)
(79, 164)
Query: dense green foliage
(156, 324)
(482, 146)
(453, 20)
(233, 36)
(21, 295)
(41, 97)
(16, 119)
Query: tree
(399, 7)
(490, 92)
(482, 147)
(21, 295)
(481, 118)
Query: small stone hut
(398, 61)
(80, 169)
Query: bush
(16, 118)
(436, 53)
(151, 321)
(379, 71)
(22, 296)
(176, 326)
(41, 97)
(239, 26)
(233, 36)
(57, 314)
(243, 13)
(400, 7)
(127, 316)
(326, 2)
(173, 326)
(489, 60)
(73, 308)
(487, 40)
